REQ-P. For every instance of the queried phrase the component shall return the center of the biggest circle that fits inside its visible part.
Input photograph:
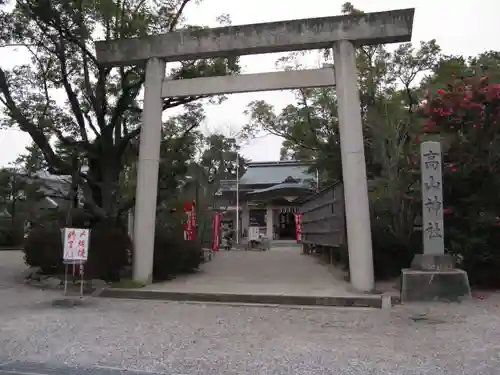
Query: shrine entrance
(342, 33)
(286, 222)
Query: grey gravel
(188, 338)
(178, 338)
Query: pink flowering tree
(465, 116)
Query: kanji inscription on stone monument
(432, 198)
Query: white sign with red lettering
(76, 244)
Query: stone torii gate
(342, 33)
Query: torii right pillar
(357, 207)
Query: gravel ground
(176, 338)
(103, 335)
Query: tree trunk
(14, 200)
(104, 193)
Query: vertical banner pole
(214, 221)
(65, 278)
(81, 280)
(237, 199)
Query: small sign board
(253, 233)
(76, 245)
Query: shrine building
(269, 195)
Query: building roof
(276, 172)
(284, 189)
(54, 188)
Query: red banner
(216, 226)
(190, 224)
(298, 226)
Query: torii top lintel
(393, 26)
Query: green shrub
(43, 248)
(465, 112)
(173, 256)
(390, 253)
(11, 234)
(108, 251)
(475, 244)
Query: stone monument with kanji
(433, 275)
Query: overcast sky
(460, 27)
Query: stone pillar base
(434, 278)
(430, 262)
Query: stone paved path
(281, 270)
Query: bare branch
(91, 124)
(90, 95)
(128, 95)
(44, 80)
(54, 20)
(36, 134)
(177, 16)
(70, 93)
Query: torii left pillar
(147, 173)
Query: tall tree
(32, 160)
(93, 111)
(309, 129)
(217, 159)
(463, 109)
(18, 196)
